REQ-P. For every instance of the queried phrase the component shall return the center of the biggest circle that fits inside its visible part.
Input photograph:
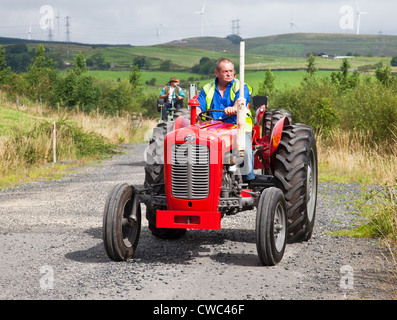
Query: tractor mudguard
(256, 131)
(181, 122)
(277, 132)
(259, 114)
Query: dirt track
(51, 248)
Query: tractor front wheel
(271, 227)
(121, 223)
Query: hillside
(299, 44)
(284, 45)
(279, 52)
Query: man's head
(173, 82)
(224, 71)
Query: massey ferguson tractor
(193, 180)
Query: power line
(67, 25)
(236, 26)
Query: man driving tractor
(223, 94)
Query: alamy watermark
(346, 21)
(47, 20)
(47, 279)
(347, 278)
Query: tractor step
(262, 181)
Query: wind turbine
(159, 31)
(202, 16)
(292, 24)
(58, 17)
(359, 13)
(30, 32)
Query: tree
(311, 65)
(394, 62)
(205, 66)
(97, 60)
(41, 76)
(384, 75)
(266, 88)
(342, 79)
(140, 61)
(79, 64)
(135, 79)
(5, 72)
(234, 38)
(165, 65)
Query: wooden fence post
(54, 131)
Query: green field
(282, 78)
(12, 118)
(277, 52)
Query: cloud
(148, 22)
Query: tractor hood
(193, 167)
(221, 133)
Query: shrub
(324, 117)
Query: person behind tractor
(172, 95)
(223, 94)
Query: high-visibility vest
(209, 90)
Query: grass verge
(26, 148)
(351, 157)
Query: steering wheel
(205, 116)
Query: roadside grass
(350, 157)
(26, 148)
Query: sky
(148, 22)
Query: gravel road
(51, 248)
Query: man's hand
(230, 110)
(198, 112)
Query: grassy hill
(299, 44)
(278, 52)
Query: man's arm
(181, 94)
(202, 99)
(163, 95)
(233, 110)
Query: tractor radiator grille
(190, 171)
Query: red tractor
(192, 181)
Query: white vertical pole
(241, 105)
(54, 131)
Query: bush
(86, 93)
(324, 117)
(369, 107)
(34, 146)
(206, 66)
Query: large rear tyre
(121, 223)
(295, 170)
(270, 119)
(271, 227)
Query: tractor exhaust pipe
(241, 114)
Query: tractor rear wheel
(270, 119)
(295, 168)
(121, 223)
(271, 227)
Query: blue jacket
(220, 103)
